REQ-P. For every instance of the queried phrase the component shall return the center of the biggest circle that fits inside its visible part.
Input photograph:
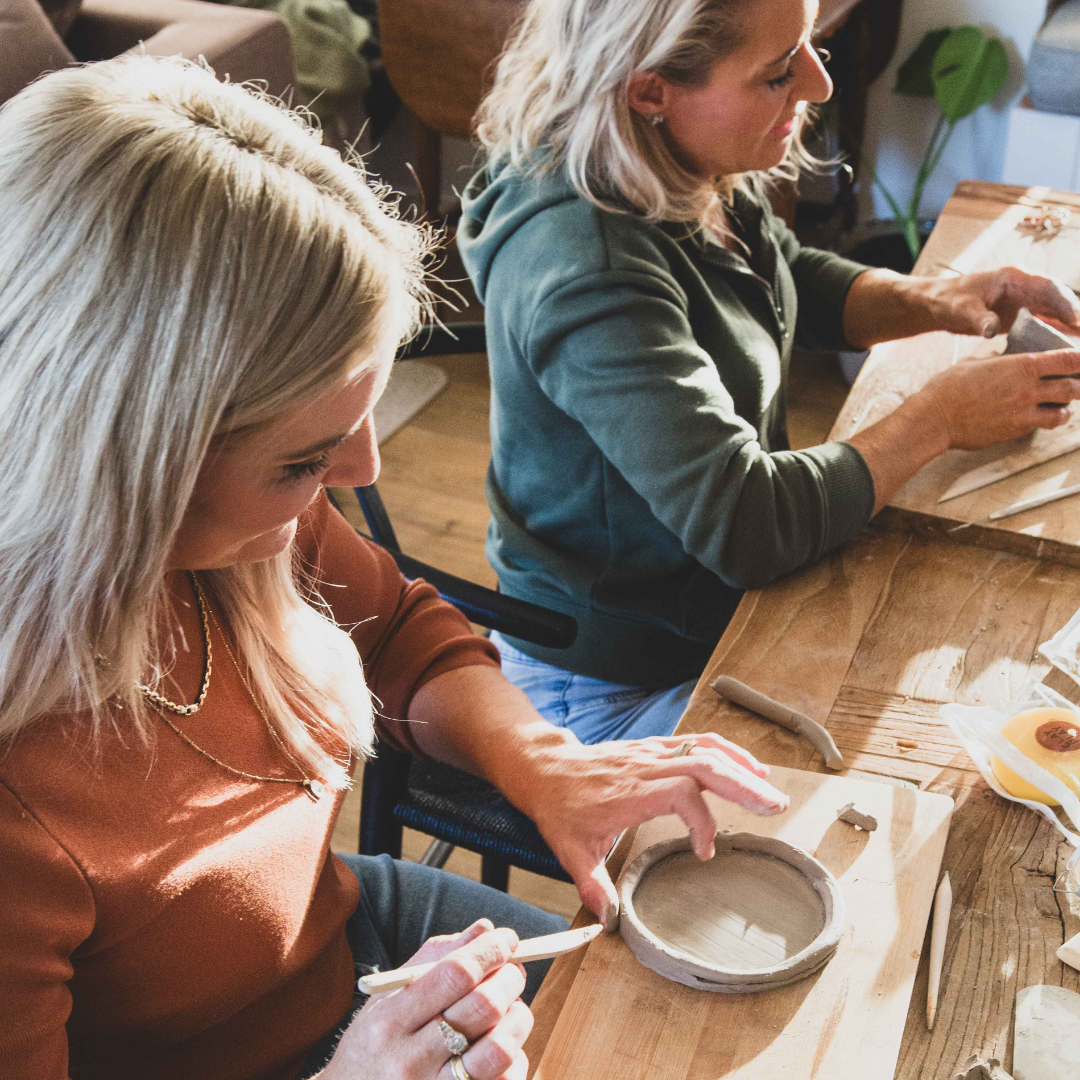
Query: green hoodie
(641, 475)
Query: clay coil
(760, 915)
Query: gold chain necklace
(188, 710)
(314, 787)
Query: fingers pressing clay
(859, 818)
(756, 702)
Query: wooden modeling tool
(1033, 503)
(537, 948)
(939, 930)
(801, 724)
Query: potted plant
(962, 69)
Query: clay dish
(760, 915)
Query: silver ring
(456, 1043)
(684, 748)
(458, 1070)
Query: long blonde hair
(560, 100)
(180, 259)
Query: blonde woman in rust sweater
(199, 306)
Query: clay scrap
(756, 702)
(977, 1069)
(1069, 953)
(853, 815)
(759, 915)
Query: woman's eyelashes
(781, 80)
(300, 470)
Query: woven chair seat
(468, 812)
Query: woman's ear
(648, 94)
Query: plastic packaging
(979, 729)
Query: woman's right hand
(968, 406)
(982, 402)
(473, 988)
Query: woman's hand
(583, 796)
(968, 406)
(982, 402)
(882, 305)
(474, 989)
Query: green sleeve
(614, 350)
(822, 280)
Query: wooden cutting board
(623, 1021)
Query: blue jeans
(594, 710)
(402, 904)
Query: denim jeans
(402, 904)
(594, 710)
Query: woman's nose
(356, 461)
(816, 85)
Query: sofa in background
(237, 43)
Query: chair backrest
(440, 59)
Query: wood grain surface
(622, 1020)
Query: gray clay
(759, 703)
(854, 815)
(760, 915)
(975, 1068)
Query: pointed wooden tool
(537, 948)
(939, 930)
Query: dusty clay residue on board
(742, 910)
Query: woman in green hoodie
(641, 306)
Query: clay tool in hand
(1034, 502)
(537, 948)
(756, 702)
(939, 930)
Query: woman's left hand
(582, 796)
(882, 305)
(585, 795)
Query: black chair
(454, 807)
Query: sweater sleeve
(46, 911)
(614, 349)
(405, 633)
(822, 280)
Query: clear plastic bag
(978, 728)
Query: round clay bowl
(760, 915)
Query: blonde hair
(560, 99)
(182, 259)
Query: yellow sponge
(1051, 738)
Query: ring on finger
(456, 1043)
(684, 748)
(458, 1070)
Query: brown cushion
(29, 46)
(62, 14)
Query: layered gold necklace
(313, 786)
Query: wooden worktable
(871, 642)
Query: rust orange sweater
(163, 919)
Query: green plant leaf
(967, 71)
(913, 77)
